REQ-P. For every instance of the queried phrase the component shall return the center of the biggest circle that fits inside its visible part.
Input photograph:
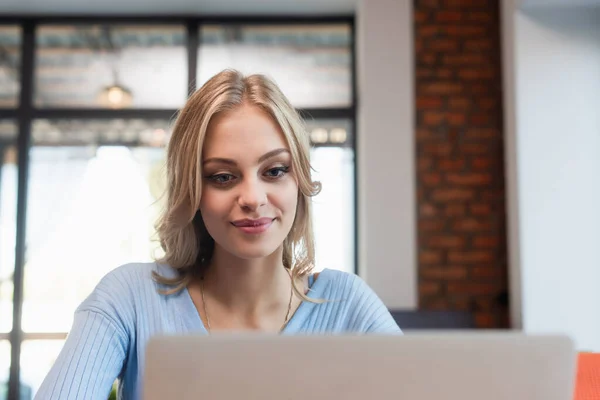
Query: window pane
(333, 208)
(8, 219)
(90, 209)
(10, 63)
(37, 357)
(101, 66)
(4, 368)
(310, 63)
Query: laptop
(424, 366)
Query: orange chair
(587, 383)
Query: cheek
(288, 199)
(213, 204)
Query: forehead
(242, 132)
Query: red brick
(431, 178)
(466, 4)
(472, 225)
(427, 134)
(453, 133)
(492, 195)
(448, 195)
(464, 30)
(451, 164)
(437, 149)
(486, 320)
(441, 88)
(469, 179)
(478, 45)
(480, 16)
(479, 89)
(474, 148)
(482, 133)
(429, 102)
(461, 303)
(426, 31)
(487, 104)
(455, 210)
(433, 118)
(464, 59)
(481, 163)
(444, 73)
(479, 119)
(418, 45)
(447, 272)
(472, 288)
(424, 73)
(421, 16)
(427, 4)
(427, 288)
(424, 163)
(435, 304)
(485, 303)
(445, 242)
(490, 242)
(471, 257)
(430, 257)
(456, 118)
(426, 58)
(481, 209)
(431, 225)
(427, 210)
(477, 74)
(487, 272)
(442, 45)
(448, 16)
(460, 103)
(461, 219)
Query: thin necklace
(285, 321)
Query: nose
(252, 195)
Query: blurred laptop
(465, 366)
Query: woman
(238, 245)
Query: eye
(277, 172)
(221, 179)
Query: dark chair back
(421, 320)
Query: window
(97, 121)
(311, 64)
(110, 66)
(8, 211)
(10, 62)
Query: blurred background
(458, 143)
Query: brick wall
(461, 197)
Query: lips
(253, 226)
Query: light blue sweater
(113, 325)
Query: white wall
(386, 150)
(555, 182)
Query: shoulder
(117, 292)
(340, 285)
(357, 305)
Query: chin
(250, 250)
(253, 252)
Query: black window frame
(25, 113)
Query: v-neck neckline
(196, 324)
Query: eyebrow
(262, 158)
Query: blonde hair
(187, 245)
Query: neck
(252, 287)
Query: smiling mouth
(253, 226)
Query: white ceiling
(171, 7)
(558, 3)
